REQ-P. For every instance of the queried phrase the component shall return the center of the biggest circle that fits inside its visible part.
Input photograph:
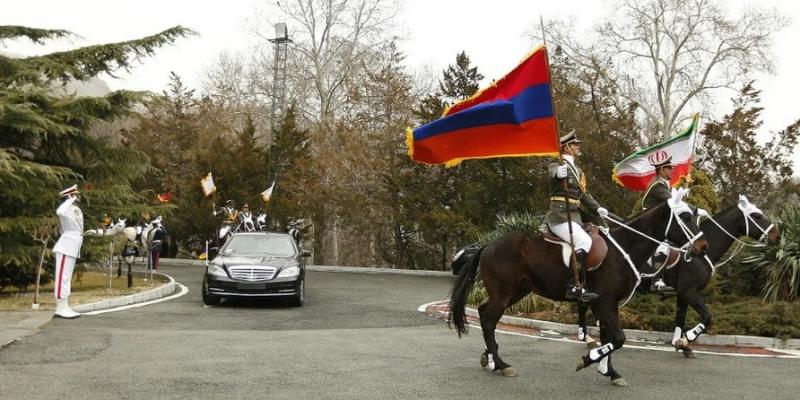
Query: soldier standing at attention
(67, 249)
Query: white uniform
(68, 247)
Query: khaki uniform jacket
(70, 219)
(658, 192)
(580, 199)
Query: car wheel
(208, 299)
(299, 297)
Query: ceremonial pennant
(207, 184)
(267, 194)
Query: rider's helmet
(230, 203)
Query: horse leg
(678, 341)
(604, 366)
(490, 313)
(583, 332)
(612, 338)
(697, 303)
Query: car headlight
(215, 269)
(289, 272)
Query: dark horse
(690, 277)
(520, 263)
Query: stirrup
(660, 286)
(573, 293)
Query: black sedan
(256, 264)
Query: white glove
(702, 213)
(561, 172)
(602, 212)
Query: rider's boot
(575, 292)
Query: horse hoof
(619, 382)
(484, 360)
(688, 353)
(509, 372)
(581, 364)
(681, 344)
(591, 343)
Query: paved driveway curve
(359, 336)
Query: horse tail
(461, 289)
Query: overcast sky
(493, 33)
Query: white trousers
(581, 239)
(63, 277)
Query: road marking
(184, 290)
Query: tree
(669, 56)
(46, 142)
(737, 162)
(290, 159)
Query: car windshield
(272, 245)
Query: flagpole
(691, 155)
(573, 256)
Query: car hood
(256, 260)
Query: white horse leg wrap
(602, 366)
(695, 332)
(600, 352)
(677, 335)
(490, 365)
(581, 334)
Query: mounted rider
(657, 193)
(579, 200)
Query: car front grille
(252, 273)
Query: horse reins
(683, 249)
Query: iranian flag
(635, 172)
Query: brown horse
(520, 263)
(689, 277)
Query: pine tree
(45, 143)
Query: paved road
(358, 337)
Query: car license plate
(250, 286)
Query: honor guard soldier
(67, 249)
(658, 192)
(578, 198)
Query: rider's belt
(564, 199)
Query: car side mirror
(212, 252)
(305, 253)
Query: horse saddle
(597, 253)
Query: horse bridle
(747, 211)
(676, 210)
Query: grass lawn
(93, 286)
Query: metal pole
(573, 257)
(111, 266)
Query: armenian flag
(635, 172)
(513, 117)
